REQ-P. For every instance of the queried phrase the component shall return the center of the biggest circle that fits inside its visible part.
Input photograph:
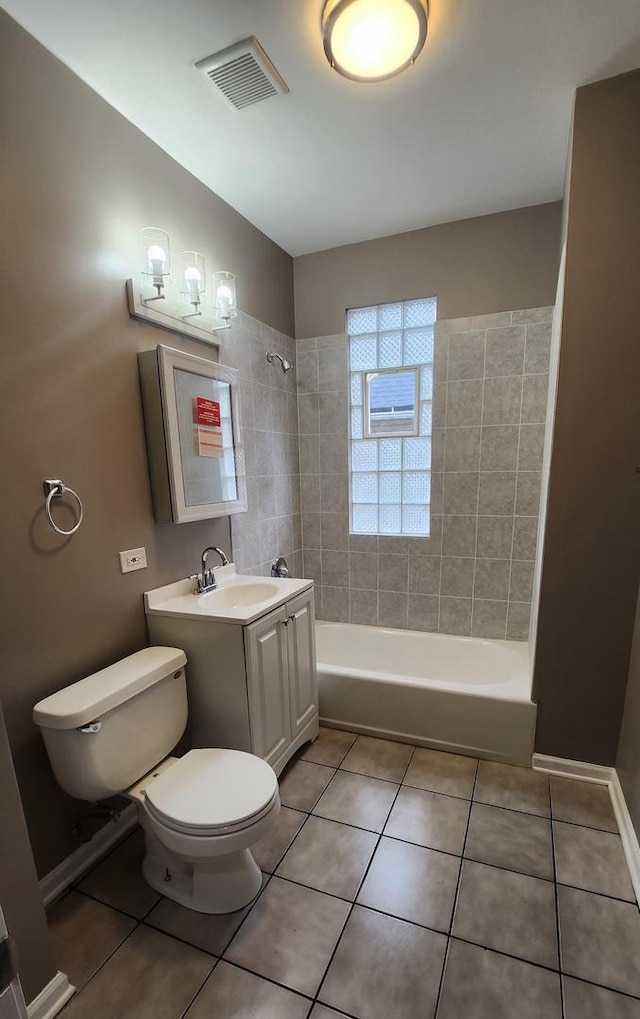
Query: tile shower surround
(271, 526)
(474, 574)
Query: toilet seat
(212, 792)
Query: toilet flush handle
(90, 727)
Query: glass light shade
(224, 295)
(193, 277)
(156, 255)
(370, 40)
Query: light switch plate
(133, 559)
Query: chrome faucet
(206, 580)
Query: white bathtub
(462, 694)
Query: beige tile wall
(474, 574)
(271, 527)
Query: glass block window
(391, 392)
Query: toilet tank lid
(89, 698)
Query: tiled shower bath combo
(271, 526)
(473, 576)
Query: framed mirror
(194, 440)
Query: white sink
(237, 599)
(238, 595)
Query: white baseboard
(58, 880)
(572, 769)
(51, 998)
(627, 832)
(602, 776)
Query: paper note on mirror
(210, 442)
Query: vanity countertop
(238, 598)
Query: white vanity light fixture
(156, 259)
(372, 40)
(224, 297)
(193, 280)
(202, 322)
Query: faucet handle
(279, 568)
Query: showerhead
(284, 363)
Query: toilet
(112, 732)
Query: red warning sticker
(206, 412)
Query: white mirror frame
(169, 360)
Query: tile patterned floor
(399, 883)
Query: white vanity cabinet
(250, 687)
(281, 678)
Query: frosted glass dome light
(370, 40)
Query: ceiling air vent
(243, 74)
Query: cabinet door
(267, 685)
(303, 684)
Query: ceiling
(480, 124)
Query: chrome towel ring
(55, 489)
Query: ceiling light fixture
(371, 40)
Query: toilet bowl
(200, 814)
(111, 733)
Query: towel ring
(55, 489)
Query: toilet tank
(105, 732)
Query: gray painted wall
(19, 892)
(475, 266)
(591, 564)
(628, 759)
(78, 183)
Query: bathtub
(462, 694)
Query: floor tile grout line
(339, 1012)
(372, 909)
(143, 921)
(447, 950)
(462, 856)
(466, 941)
(471, 800)
(269, 980)
(102, 964)
(456, 894)
(98, 863)
(185, 941)
(363, 879)
(604, 987)
(336, 766)
(589, 827)
(507, 955)
(184, 1011)
(379, 838)
(556, 901)
(282, 857)
(151, 909)
(109, 905)
(251, 905)
(430, 849)
(547, 817)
